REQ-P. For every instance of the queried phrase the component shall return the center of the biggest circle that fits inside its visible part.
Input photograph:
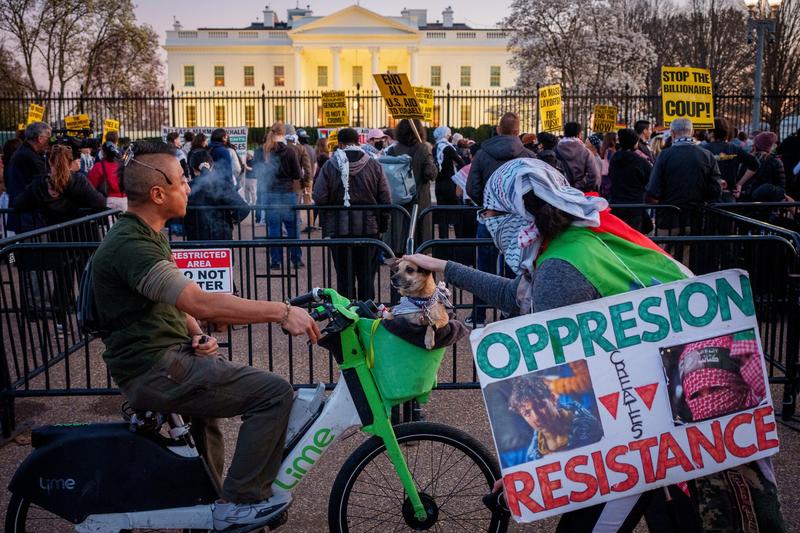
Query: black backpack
(88, 319)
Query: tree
(583, 45)
(10, 71)
(67, 44)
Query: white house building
(338, 51)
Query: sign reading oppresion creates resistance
(658, 385)
(605, 118)
(550, 108)
(687, 92)
(334, 109)
(211, 268)
(399, 96)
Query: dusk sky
(215, 13)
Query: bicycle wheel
(22, 516)
(452, 471)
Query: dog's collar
(441, 294)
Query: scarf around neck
(343, 164)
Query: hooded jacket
(368, 186)
(204, 224)
(581, 167)
(493, 153)
(57, 208)
(277, 171)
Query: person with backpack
(581, 167)
(448, 162)
(351, 177)
(770, 170)
(423, 168)
(103, 177)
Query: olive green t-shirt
(142, 330)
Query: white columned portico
(374, 52)
(298, 68)
(336, 57)
(412, 75)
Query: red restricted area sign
(211, 269)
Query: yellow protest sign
(334, 109)
(77, 122)
(687, 92)
(605, 118)
(333, 141)
(399, 96)
(20, 126)
(35, 113)
(550, 107)
(425, 98)
(109, 125)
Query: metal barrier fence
(88, 228)
(782, 214)
(392, 221)
(144, 114)
(43, 353)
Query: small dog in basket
(423, 304)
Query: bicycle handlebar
(314, 295)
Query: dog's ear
(391, 262)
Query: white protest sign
(236, 135)
(211, 268)
(613, 397)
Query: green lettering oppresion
(672, 307)
(590, 336)
(651, 318)
(529, 350)
(711, 299)
(557, 340)
(727, 294)
(483, 355)
(620, 325)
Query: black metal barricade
(392, 221)
(44, 354)
(781, 214)
(91, 227)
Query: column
(374, 66)
(412, 75)
(298, 69)
(336, 56)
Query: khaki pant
(213, 387)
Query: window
(188, 75)
(322, 76)
(494, 76)
(466, 116)
(191, 116)
(466, 76)
(249, 76)
(436, 76)
(219, 76)
(391, 69)
(219, 116)
(280, 113)
(250, 116)
(358, 75)
(279, 77)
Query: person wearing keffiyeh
(448, 162)
(566, 247)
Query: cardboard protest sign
(211, 268)
(109, 125)
(35, 113)
(605, 118)
(334, 109)
(78, 122)
(399, 96)
(425, 98)
(687, 93)
(613, 397)
(550, 108)
(332, 135)
(237, 136)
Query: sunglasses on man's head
(128, 158)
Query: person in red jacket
(103, 177)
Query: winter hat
(456, 138)
(764, 141)
(301, 133)
(290, 129)
(375, 133)
(596, 139)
